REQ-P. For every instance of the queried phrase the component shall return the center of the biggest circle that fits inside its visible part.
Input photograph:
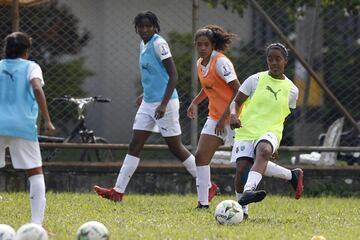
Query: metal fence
(89, 47)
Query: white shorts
(168, 126)
(246, 148)
(25, 154)
(228, 135)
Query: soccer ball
(31, 231)
(92, 230)
(229, 212)
(6, 232)
(318, 237)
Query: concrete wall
(172, 178)
(113, 51)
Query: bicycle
(85, 135)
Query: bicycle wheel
(100, 155)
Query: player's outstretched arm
(41, 100)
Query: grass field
(174, 217)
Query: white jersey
(161, 47)
(224, 68)
(34, 71)
(249, 86)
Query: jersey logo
(272, 91)
(164, 50)
(226, 70)
(9, 74)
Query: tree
(56, 36)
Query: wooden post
(15, 16)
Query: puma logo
(9, 74)
(272, 91)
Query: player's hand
(220, 127)
(191, 111)
(139, 100)
(234, 121)
(49, 128)
(160, 112)
(275, 155)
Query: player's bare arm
(41, 100)
(239, 99)
(196, 101)
(220, 126)
(171, 70)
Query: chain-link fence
(90, 48)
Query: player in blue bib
(158, 106)
(21, 95)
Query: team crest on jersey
(226, 70)
(164, 50)
(242, 148)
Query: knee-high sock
(37, 198)
(190, 165)
(202, 184)
(127, 170)
(253, 181)
(277, 171)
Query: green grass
(174, 217)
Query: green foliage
(341, 61)
(293, 8)
(65, 79)
(55, 33)
(174, 217)
(181, 49)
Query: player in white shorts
(219, 85)
(158, 105)
(21, 95)
(268, 98)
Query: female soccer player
(21, 95)
(219, 84)
(268, 98)
(159, 106)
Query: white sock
(37, 198)
(202, 184)
(253, 181)
(245, 208)
(274, 170)
(238, 196)
(190, 165)
(127, 170)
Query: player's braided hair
(149, 15)
(16, 44)
(278, 46)
(217, 35)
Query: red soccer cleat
(213, 191)
(109, 193)
(297, 181)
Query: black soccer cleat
(201, 207)
(251, 197)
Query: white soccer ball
(6, 232)
(229, 212)
(31, 231)
(92, 230)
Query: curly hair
(149, 15)
(217, 36)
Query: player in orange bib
(219, 85)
